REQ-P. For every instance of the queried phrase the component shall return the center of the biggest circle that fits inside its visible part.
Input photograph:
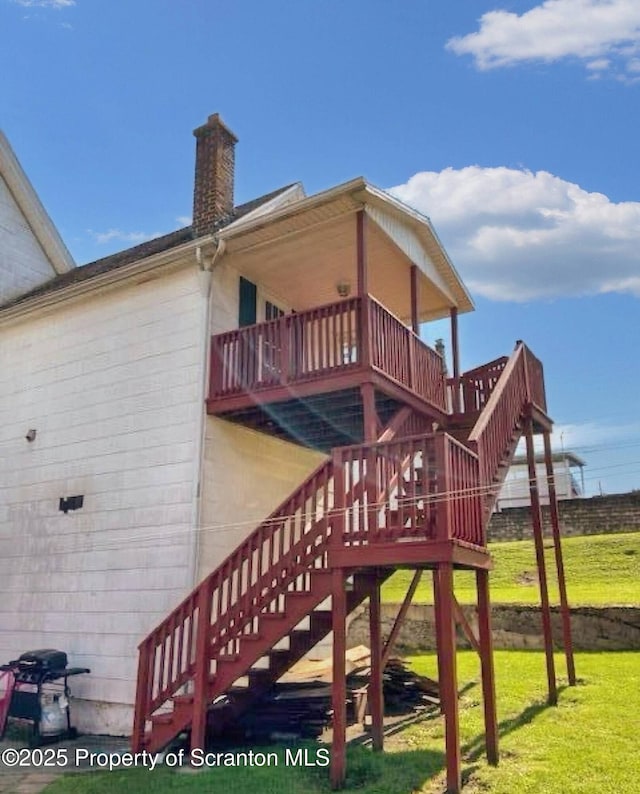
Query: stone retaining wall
(594, 516)
(514, 627)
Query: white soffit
(407, 241)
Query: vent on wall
(70, 503)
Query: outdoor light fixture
(31, 435)
(343, 288)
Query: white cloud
(126, 237)
(57, 4)
(586, 435)
(184, 220)
(590, 30)
(517, 235)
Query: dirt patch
(527, 578)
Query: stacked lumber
(289, 711)
(299, 705)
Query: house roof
(557, 457)
(139, 252)
(410, 231)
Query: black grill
(32, 679)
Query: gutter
(207, 260)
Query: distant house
(568, 471)
(31, 250)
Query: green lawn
(600, 569)
(588, 743)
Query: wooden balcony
(301, 373)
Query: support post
(567, 640)
(486, 665)
(201, 677)
(362, 271)
(376, 699)
(536, 519)
(361, 253)
(448, 679)
(437, 616)
(455, 346)
(455, 359)
(415, 324)
(369, 413)
(339, 687)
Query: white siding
(246, 475)
(23, 263)
(112, 385)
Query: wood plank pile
(299, 705)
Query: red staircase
(267, 601)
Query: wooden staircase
(266, 605)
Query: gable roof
(32, 209)
(144, 250)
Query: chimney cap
(214, 122)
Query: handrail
(271, 560)
(401, 490)
(352, 334)
(520, 384)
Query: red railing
(464, 495)
(535, 375)
(420, 488)
(520, 384)
(400, 354)
(316, 344)
(471, 391)
(290, 349)
(276, 558)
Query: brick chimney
(213, 188)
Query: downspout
(206, 261)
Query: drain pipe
(207, 260)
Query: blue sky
(512, 124)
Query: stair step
(162, 719)
(228, 657)
(183, 700)
(273, 615)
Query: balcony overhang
(302, 252)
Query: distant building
(568, 473)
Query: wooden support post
(361, 253)
(455, 360)
(395, 630)
(415, 323)
(567, 640)
(486, 664)
(448, 675)
(536, 519)
(202, 668)
(455, 346)
(376, 700)
(369, 413)
(362, 270)
(339, 687)
(438, 628)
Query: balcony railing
(350, 336)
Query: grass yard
(600, 569)
(589, 743)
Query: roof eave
(33, 210)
